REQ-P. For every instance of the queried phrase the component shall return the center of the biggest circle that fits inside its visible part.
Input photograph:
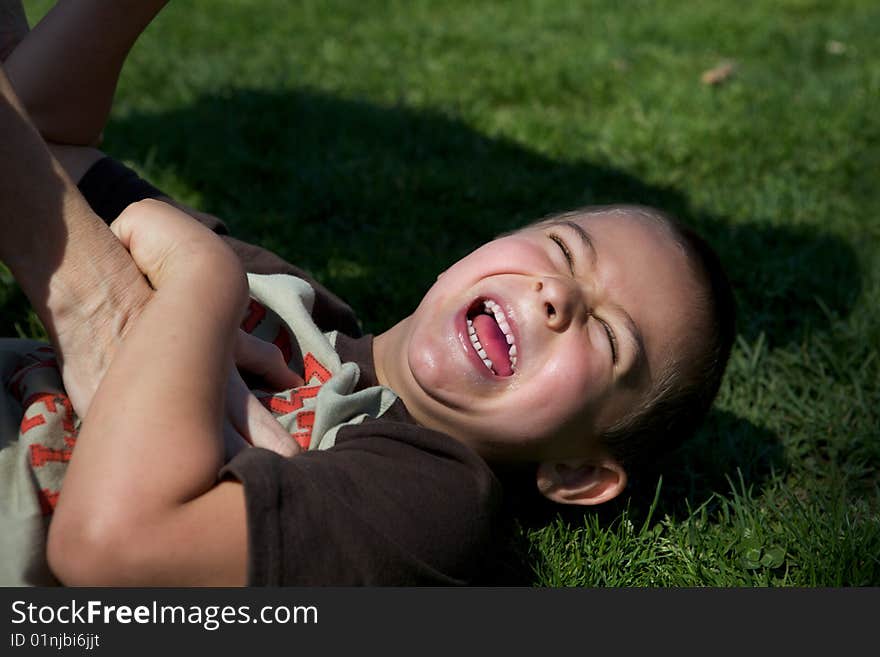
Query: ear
(581, 482)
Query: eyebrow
(636, 339)
(582, 234)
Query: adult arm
(79, 279)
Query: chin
(437, 372)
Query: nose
(562, 301)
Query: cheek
(511, 254)
(568, 385)
(574, 364)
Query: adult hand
(87, 332)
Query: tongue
(492, 338)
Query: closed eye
(565, 250)
(612, 339)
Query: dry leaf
(718, 74)
(835, 47)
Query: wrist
(95, 281)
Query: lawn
(374, 143)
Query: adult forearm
(79, 279)
(58, 250)
(34, 195)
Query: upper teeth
(492, 307)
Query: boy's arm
(140, 504)
(79, 279)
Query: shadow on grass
(376, 201)
(725, 447)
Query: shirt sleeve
(374, 510)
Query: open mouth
(491, 337)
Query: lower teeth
(472, 334)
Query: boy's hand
(247, 420)
(264, 360)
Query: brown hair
(683, 393)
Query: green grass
(375, 143)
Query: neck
(387, 348)
(392, 370)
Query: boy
(580, 343)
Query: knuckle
(139, 205)
(135, 209)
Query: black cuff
(109, 187)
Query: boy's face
(593, 308)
